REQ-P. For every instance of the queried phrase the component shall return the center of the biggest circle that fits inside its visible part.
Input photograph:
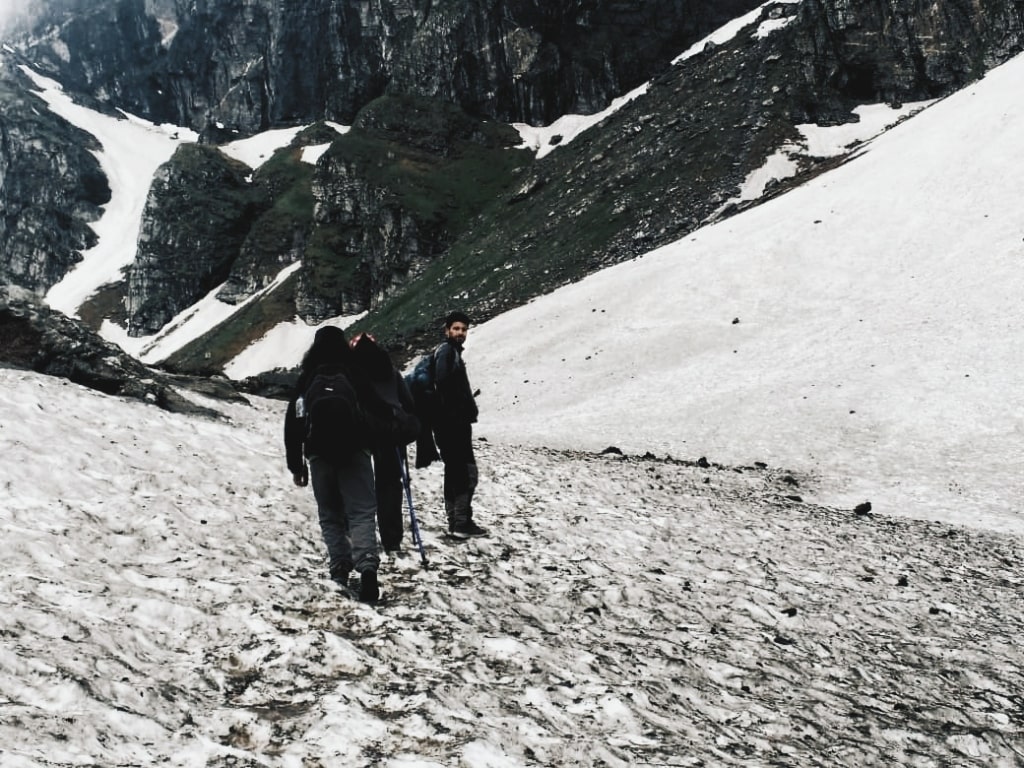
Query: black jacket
(457, 404)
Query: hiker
(336, 447)
(399, 427)
(453, 420)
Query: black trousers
(455, 444)
(387, 476)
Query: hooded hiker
(393, 412)
(326, 424)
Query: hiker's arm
(293, 432)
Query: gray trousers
(347, 508)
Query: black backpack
(336, 424)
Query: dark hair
(372, 358)
(456, 317)
(329, 347)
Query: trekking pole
(417, 537)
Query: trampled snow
(164, 601)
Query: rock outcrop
(391, 197)
(39, 339)
(197, 217)
(51, 188)
(381, 204)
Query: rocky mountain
(214, 65)
(425, 202)
(51, 189)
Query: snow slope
(132, 150)
(865, 326)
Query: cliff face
(248, 65)
(51, 187)
(905, 50)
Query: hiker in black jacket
(398, 426)
(453, 428)
(339, 466)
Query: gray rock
(48, 342)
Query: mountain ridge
(685, 146)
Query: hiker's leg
(356, 483)
(472, 477)
(387, 475)
(449, 513)
(460, 474)
(324, 477)
(462, 505)
(455, 443)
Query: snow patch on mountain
(132, 151)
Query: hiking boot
(369, 589)
(340, 576)
(468, 530)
